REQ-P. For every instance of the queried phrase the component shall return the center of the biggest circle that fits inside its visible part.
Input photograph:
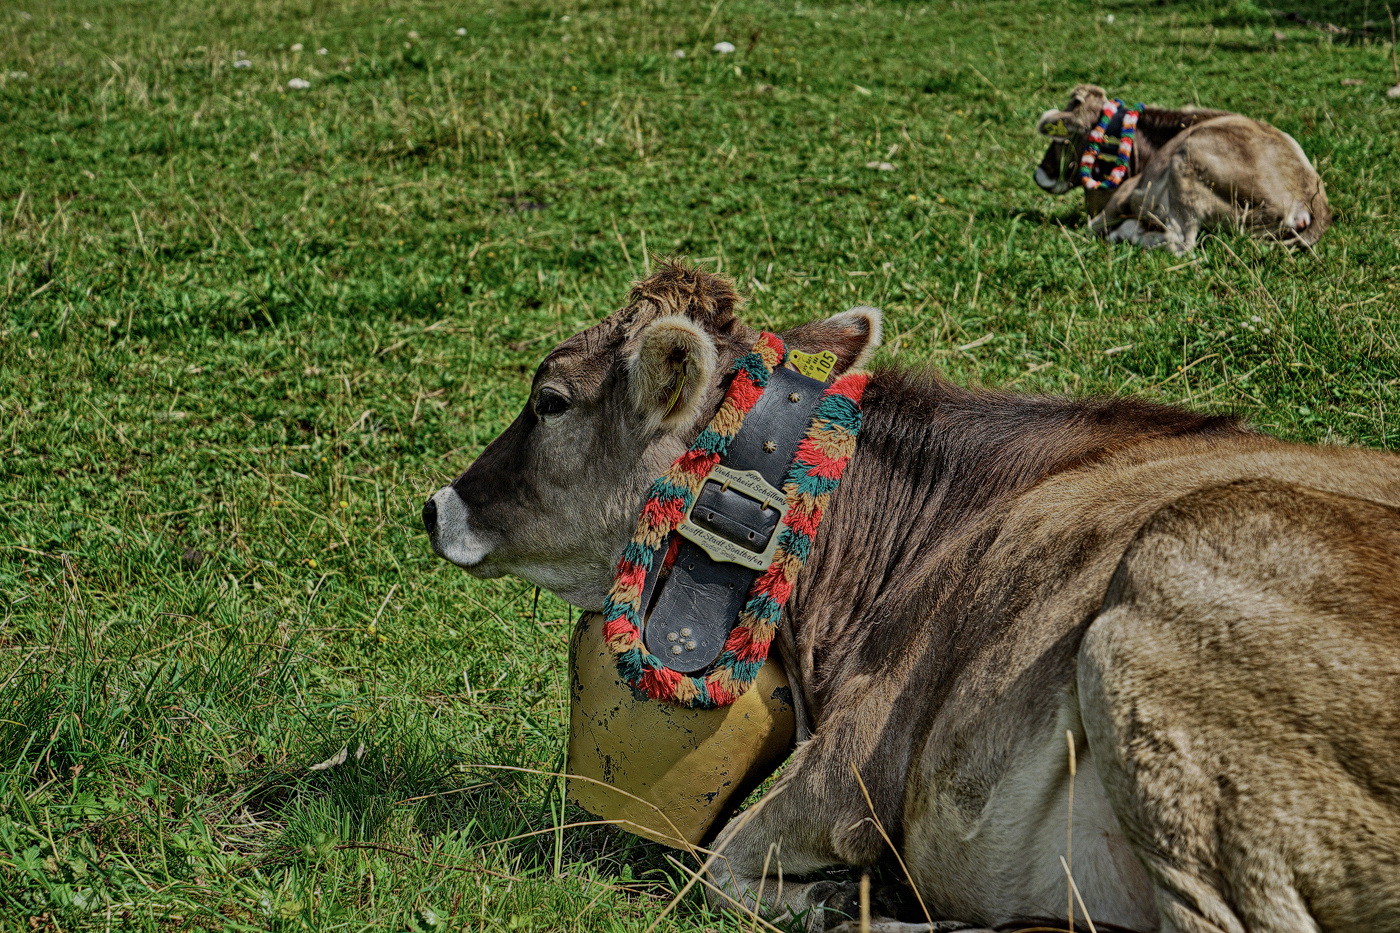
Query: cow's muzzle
(448, 522)
(1052, 174)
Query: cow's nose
(430, 516)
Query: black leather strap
(698, 604)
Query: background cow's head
(556, 496)
(1068, 130)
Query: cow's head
(555, 498)
(1068, 130)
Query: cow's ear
(852, 335)
(670, 371)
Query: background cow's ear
(671, 369)
(852, 335)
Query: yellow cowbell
(661, 771)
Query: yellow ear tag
(813, 365)
(675, 393)
(1057, 128)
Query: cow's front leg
(1125, 231)
(1118, 210)
(811, 821)
(765, 860)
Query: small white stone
(296, 46)
(413, 34)
(1393, 92)
(243, 63)
(723, 48)
(881, 166)
(298, 84)
(678, 53)
(461, 31)
(1108, 19)
(322, 52)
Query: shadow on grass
(350, 796)
(417, 786)
(1344, 20)
(1072, 218)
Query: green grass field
(246, 328)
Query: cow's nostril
(430, 516)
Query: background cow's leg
(1210, 755)
(1125, 232)
(900, 926)
(1181, 231)
(1157, 205)
(1177, 233)
(1117, 212)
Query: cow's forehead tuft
(675, 288)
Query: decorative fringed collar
(812, 477)
(1094, 153)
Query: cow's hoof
(900, 926)
(1124, 232)
(893, 909)
(834, 903)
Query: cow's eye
(549, 403)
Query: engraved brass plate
(720, 548)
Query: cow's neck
(933, 459)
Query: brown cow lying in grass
(1188, 171)
(1211, 616)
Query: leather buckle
(750, 485)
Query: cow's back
(992, 764)
(1257, 168)
(1054, 548)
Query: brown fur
(940, 455)
(1211, 616)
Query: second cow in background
(1157, 177)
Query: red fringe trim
(803, 523)
(619, 626)
(664, 513)
(660, 682)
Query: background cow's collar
(1115, 131)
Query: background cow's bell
(661, 771)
